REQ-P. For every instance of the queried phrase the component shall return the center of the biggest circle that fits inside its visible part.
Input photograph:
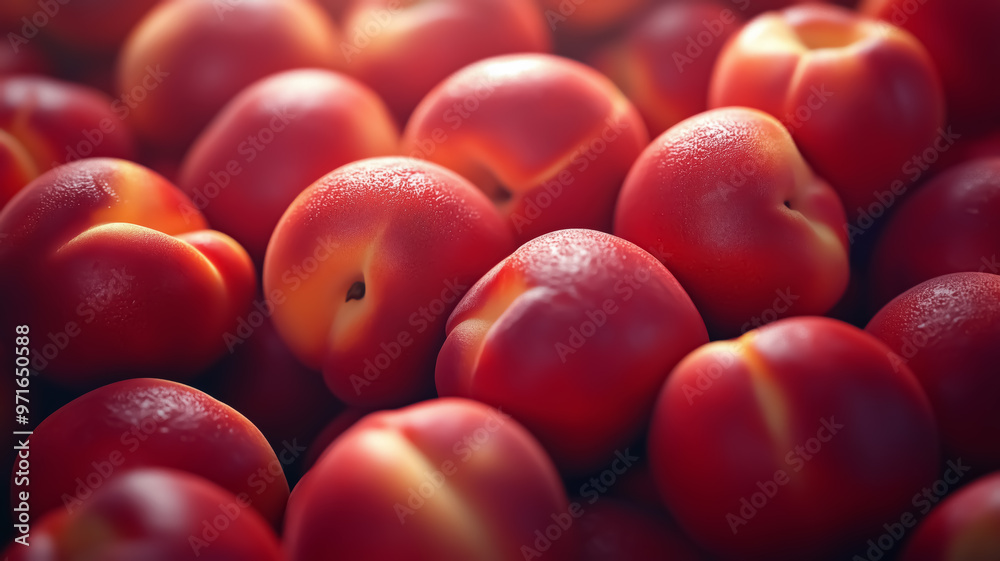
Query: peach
(946, 331)
(795, 441)
(548, 139)
(114, 279)
(961, 37)
(93, 26)
(951, 224)
(589, 17)
(46, 122)
(187, 58)
(365, 266)
(447, 479)
(964, 527)
(664, 63)
(153, 515)
(727, 203)
(403, 48)
(156, 423)
(861, 98)
(261, 150)
(572, 335)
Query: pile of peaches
(500, 280)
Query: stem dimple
(356, 292)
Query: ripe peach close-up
(963, 527)
(572, 335)
(947, 330)
(861, 98)
(447, 479)
(117, 278)
(403, 49)
(259, 152)
(365, 266)
(45, 123)
(187, 58)
(806, 415)
(951, 224)
(145, 422)
(726, 201)
(549, 140)
(154, 515)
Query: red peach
(58, 122)
(447, 479)
(115, 278)
(403, 49)
(187, 58)
(727, 203)
(260, 151)
(365, 266)
(963, 527)
(146, 422)
(860, 97)
(589, 17)
(572, 335)
(951, 224)
(946, 330)
(153, 515)
(549, 139)
(961, 37)
(91, 26)
(795, 441)
(664, 63)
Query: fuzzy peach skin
(114, 278)
(795, 441)
(961, 37)
(273, 140)
(187, 58)
(365, 266)
(57, 122)
(727, 203)
(664, 63)
(861, 98)
(153, 515)
(146, 422)
(444, 480)
(403, 48)
(572, 335)
(951, 224)
(547, 138)
(963, 527)
(947, 331)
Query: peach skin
(951, 224)
(664, 63)
(963, 527)
(727, 203)
(153, 515)
(187, 58)
(946, 331)
(114, 279)
(572, 335)
(795, 441)
(46, 122)
(403, 49)
(365, 266)
(548, 139)
(145, 422)
(448, 479)
(260, 151)
(861, 98)
(961, 37)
